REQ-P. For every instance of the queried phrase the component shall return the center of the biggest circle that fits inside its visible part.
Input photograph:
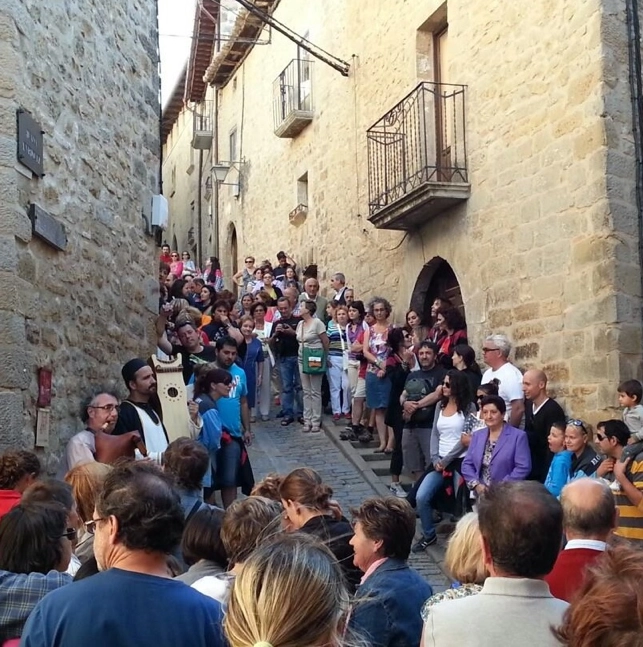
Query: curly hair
(15, 465)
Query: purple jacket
(510, 461)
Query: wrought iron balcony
(202, 126)
(417, 157)
(293, 98)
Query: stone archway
(436, 279)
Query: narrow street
(281, 449)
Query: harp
(173, 396)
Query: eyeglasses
(574, 422)
(249, 261)
(106, 407)
(489, 350)
(226, 382)
(90, 526)
(70, 534)
(447, 384)
(600, 437)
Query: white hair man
(495, 353)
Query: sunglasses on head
(574, 422)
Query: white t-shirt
(216, 587)
(450, 429)
(510, 387)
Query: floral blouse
(378, 346)
(462, 591)
(486, 462)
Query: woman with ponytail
(309, 508)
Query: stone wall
(88, 73)
(546, 248)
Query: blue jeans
(433, 482)
(291, 397)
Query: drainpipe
(215, 184)
(636, 92)
(199, 214)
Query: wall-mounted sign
(47, 228)
(30, 144)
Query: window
(302, 190)
(233, 146)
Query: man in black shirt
(541, 412)
(191, 350)
(221, 326)
(286, 347)
(141, 411)
(421, 393)
(284, 263)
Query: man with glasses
(626, 474)
(137, 524)
(99, 412)
(495, 353)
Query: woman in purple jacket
(498, 452)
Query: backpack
(417, 388)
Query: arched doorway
(437, 279)
(234, 251)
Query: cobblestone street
(281, 449)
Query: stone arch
(436, 279)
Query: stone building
(80, 284)
(486, 152)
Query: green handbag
(313, 361)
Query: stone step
(374, 444)
(370, 457)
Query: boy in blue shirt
(558, 473)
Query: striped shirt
(335, 338)
(630, 522)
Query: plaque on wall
(30, 143)
(47, 228)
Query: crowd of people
(414, 387)
(126, 554)
(551, 510)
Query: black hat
(130, 369)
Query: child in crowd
(558, 473)
(630, 393)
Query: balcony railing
(202, 125)
(293, 107)
(417, 157)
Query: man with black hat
(139, 413)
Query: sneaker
(265, 418)
(348, 416)
(397, 490)
(424, 543)
(347, 434)
(336, 417)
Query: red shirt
(8, 499)
(569, 571)
(167, 259)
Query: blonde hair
(464, 560)
(86, 482)
(290, 593)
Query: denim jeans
(430, 486)
(291, 398)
